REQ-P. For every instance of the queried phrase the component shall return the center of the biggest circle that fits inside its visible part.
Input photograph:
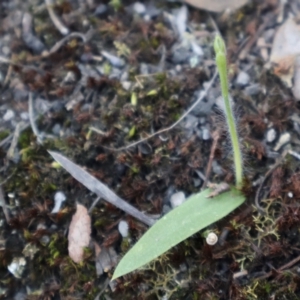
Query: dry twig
(56, 21)
(257, 196)
(215, 137)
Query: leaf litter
(260, 241)
(79, 233)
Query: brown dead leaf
(79, 233)
(217, 5)
(285, 49)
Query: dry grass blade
(99, 188)
(79, 233)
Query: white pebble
(242, 79)
(177, 199)
(126, 85)
(59, 198)
(271, 135)
(290, 195)
(8, 115)
(205, 134)
(284, 139)
(17, 266)
(24, 115)
(196, 48)
(139, 8)
(211, 239)
(114, 60)
(123, 228)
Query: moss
(4, 134)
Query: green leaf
(152, 93)
(131, 132)
(179, 224)
(133, 99)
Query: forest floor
(90, 80)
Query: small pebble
(194, 60)
(56, 129)
(284, 139)
(190, 122)
(290, 195)
(181, 20)
(126, 85)
(8, 115)
(100, 9)
(202, 120)
(59, 198)
(196, 48)
(252, 89)
(211, 239)
(178, 68)
(17, 266)
(123, 228)
(197, 182)
(177, 199)
(139, 8)
(242, 79)
(24, 115)
(205, 134)
(217, 169)
(183, 267)
(145, 148)
(271, 135)
(5, 50)
(114, 60)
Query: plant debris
(127, 91)
(79, 233)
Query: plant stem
(221, 62)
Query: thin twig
(3, 204)
(56, 21)
(60, 43)
(282, 268)
(174, 124)
(11, 151)
(32, 119)
(215, 137)
(8, 75)
(257, 196)
(94, 204)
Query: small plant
(221, 62)
(116, 4)
(199, 211)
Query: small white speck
(290, 195)
(8, 115)
(59, 198)
(123, 228)
(271, 135)
(284, 139)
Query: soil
(126, 71)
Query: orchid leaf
(196, 213)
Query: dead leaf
(79, 233)
(217, 5)
(285, 49)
